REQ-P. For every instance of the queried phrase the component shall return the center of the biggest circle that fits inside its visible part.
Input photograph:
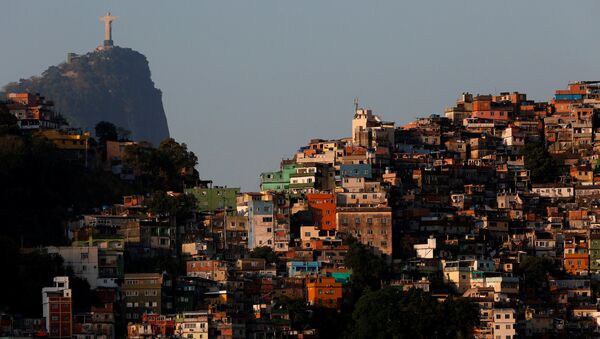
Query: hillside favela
(479, 221)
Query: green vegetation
(181, 206)
(330, 323)
(30, 272)
(368, 270)
(539, 162)
(168, 167)
(41, 190)
(106, 131)
(390, 313)
(534, 273)
(264, 252)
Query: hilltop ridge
(109, 85)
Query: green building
(595, 252)
(210, 199)
(278, 181)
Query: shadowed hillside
(113, 85)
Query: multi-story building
(504, 323)
(194, 325)
(208, 269)
(278, 181)
(58, 308)
(33, 112)
(210, 199)
(261, 220)
(372, 226)
(324, 292)
(576, 256)
(594, 252)
(83, 261)
(145, 293)
(368, 130)
(323, 210)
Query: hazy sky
(246, 83)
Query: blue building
(356, 171)
(303, 268)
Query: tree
(329, 322)
(176, 163)
(394, 313)
(106, 131)
(539, 162)
(180, 206)
(534, 272)
(8, 122)
(42, 190)
(368, 269)
(83, 297)
(124, 134)
(264, 252)
(165, 168)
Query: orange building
(485, 108)
(576, 257)
(322, 206)
(32, 111)
(324, 292)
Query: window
(267, 219)
(269, 229)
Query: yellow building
(68, 140)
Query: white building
(83, 261)
(426, 250)
(56, 308)
(192, 325)
(553, 190)
(504, 323)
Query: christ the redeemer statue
(108, 20)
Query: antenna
(355, 104)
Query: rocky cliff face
(112, 85)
